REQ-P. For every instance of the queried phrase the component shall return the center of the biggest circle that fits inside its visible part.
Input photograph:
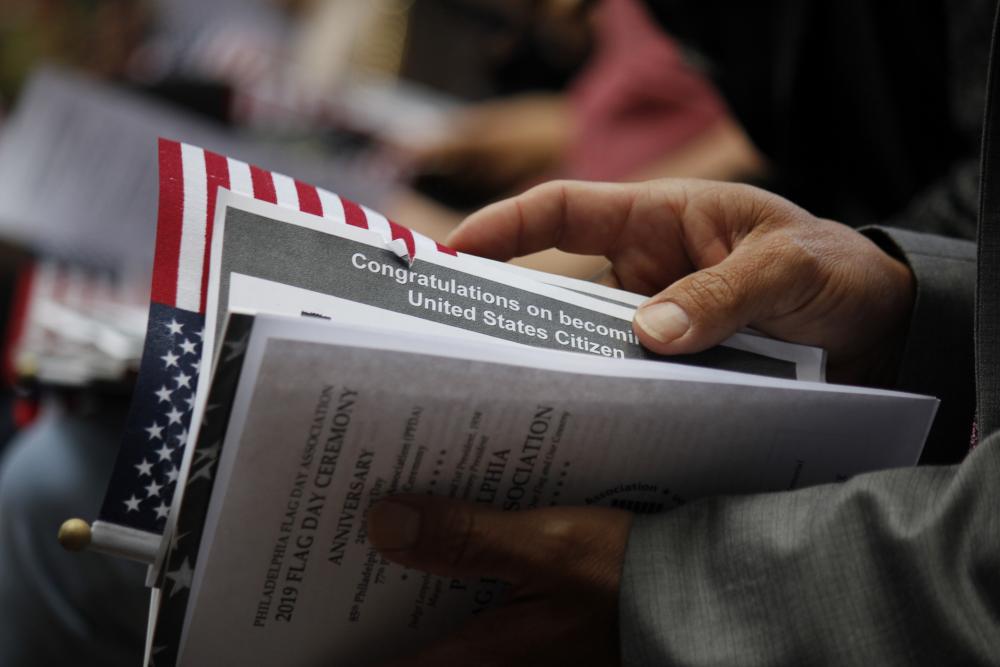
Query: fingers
(483, 640)
(757, 281)
(573, 216)
(459, 539)
(448, 538)
(540, 631)
(752, 249)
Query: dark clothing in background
(869, 110)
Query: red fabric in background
(637, 100)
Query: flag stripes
(308, 199)
(217, 171)
(240, 180)
(168, 226)
(284, 188)
(191, 256)
(331, 206)
(263, 187)
(353, 214)
(189, 181)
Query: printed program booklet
(305, 356)
(313, 421)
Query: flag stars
(164, 452)
(196, 365)
(182, 437)
(155, 431)
(161, 510)
(132, 504)
(200, 333)
(183, 380)
(190, 401)
(172, 475)
(170, 360)
(163, 394)
(153, 489)
(145, 468)
(174, 416)
(175, 327)
(187, 347)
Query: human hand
(495, 146)
(563, 565)
(717, 257)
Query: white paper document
(289, 249)
(311, 422)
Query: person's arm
(888, 568)
(937, 358)
(874, 571)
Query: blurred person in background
(637, 108)
(98, 36)
(866, 111)
(860, 111)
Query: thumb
(452, 538)
(707, 307)
(462, 539)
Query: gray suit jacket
(899, 567)
(891, 568)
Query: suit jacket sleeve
(938, 358)
(894, 567)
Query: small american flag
(156, 432)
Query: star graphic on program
(181, 577)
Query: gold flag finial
(74, 534)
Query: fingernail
(393, 526)
(665, 321)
